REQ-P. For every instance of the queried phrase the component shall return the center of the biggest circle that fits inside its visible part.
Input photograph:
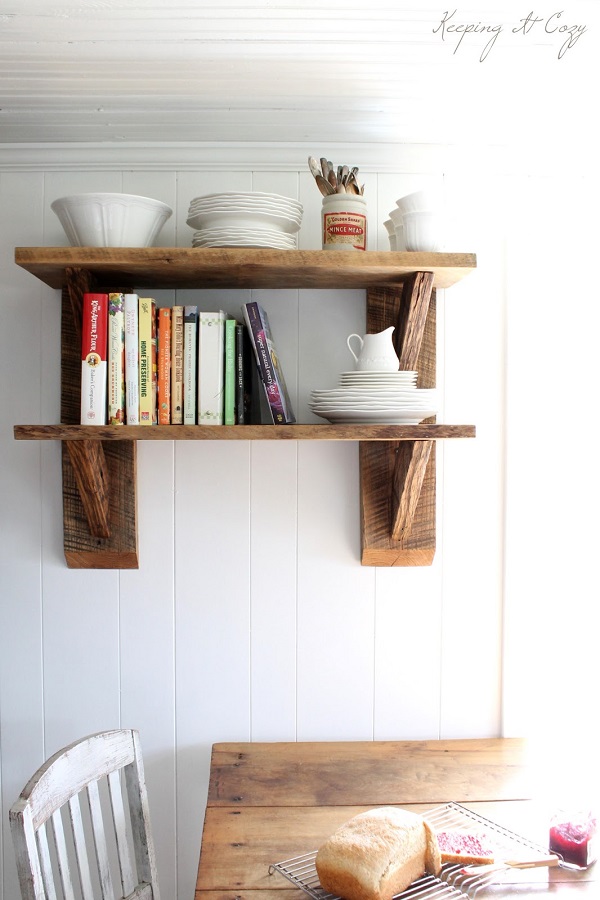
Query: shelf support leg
(91, 474)
(411, 464)
(398, 479)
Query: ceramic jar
(344, 222)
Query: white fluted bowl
(111, 220)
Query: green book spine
(230, 372)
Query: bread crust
(377, 854)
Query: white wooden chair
(78, 819)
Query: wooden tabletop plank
(367, 773)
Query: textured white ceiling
(293, 70)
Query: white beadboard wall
(250, 617)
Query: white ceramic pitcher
(376, 352)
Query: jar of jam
(573, 837)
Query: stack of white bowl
(417, 222)
(250, 219)
(375, 398)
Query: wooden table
(271, 802)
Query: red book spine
(94, 330)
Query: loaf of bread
(377, 854)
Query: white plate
(376, 417)
(366, 391)
(258, 196)
(376, 382)
(252, 220)
(283, 240)
(244, 242)
(431, 408)
(387, 408)
(379, 385)
(369, 373)
(279, 208)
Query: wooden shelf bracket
(398, 478)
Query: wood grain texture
(91, 474)
(241, 432)
(365, 773)
(271, 802)
(384, 466)
(120, 549)
(409, 473)
(416, 296)
(183, 267)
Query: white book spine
(94, 368)
(211, 364)
(132, 375)
(116, 359)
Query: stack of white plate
(375, 398)
(250, 219)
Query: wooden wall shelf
(241, 432)
(397, 463)
(190, 267)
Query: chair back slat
(106, 882)
(27, 854)
(46, 863)
(80, 848)
(120, 824)
(62, 855)
(105, 840)
(135, 782)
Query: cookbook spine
(164, 365)
(116, 359)
(177, 365)
(146, 315)
(190, 346)
(211, 364)
(229, 415)
(93, 358)
(132, 372)
(269, 365)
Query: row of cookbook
(148, 365)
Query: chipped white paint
(69, 777)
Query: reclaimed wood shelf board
(241, 432)
(194, 267)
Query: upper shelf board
(183, 267)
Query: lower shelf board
(422, 432)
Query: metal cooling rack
(451, 883)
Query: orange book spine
(164, 365)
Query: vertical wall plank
(212, 523)
(21, 340)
